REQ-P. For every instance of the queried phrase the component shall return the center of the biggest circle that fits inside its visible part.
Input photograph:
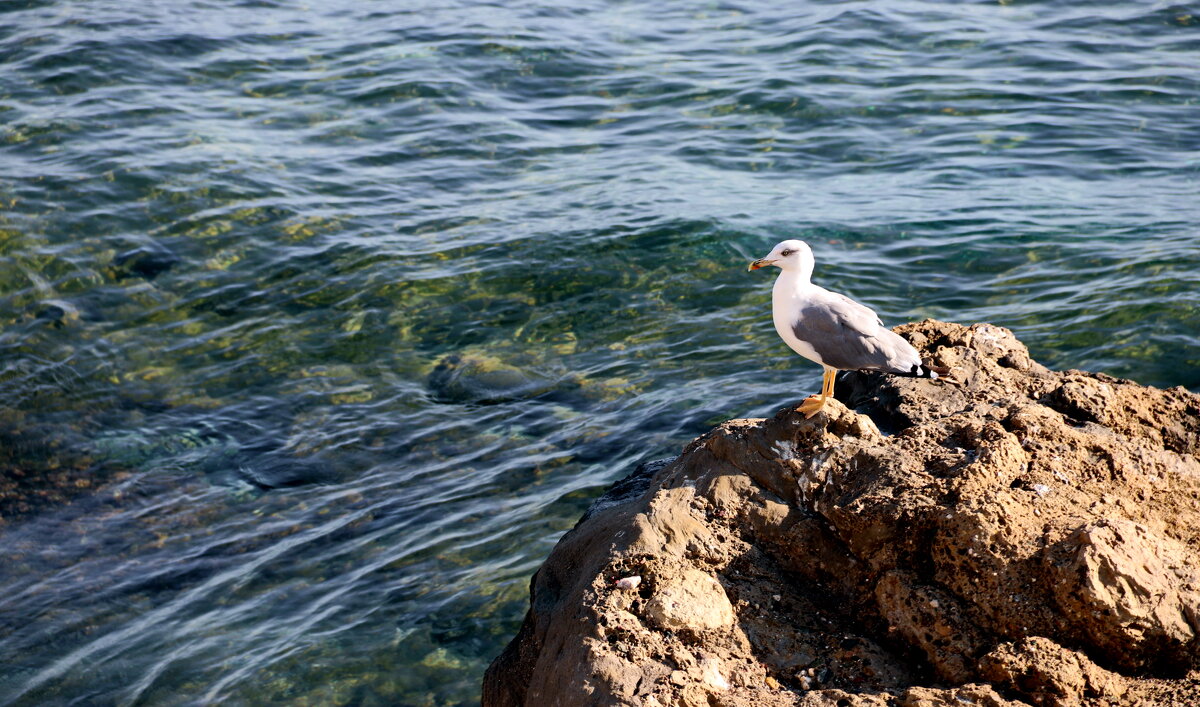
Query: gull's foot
(811, 406)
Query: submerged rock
(58, 312)
(477, 378)
(147, 262)
(1019, 536)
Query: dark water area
(320, 323)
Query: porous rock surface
(1015, 536)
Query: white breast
(787, 296)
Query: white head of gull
(832, 329)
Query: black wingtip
(927, 370)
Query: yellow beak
(761, 262)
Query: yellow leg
(812, 405)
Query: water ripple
(320, 326)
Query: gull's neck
(791, 281)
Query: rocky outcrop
(1014, 536)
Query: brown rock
(975, 694)
(1131, 592)
(930, 619)
(690, 600)
(1048, 674)
(1021, 527)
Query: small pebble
(629, 583)
(712, 674)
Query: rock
(690, 600)
(1021, 536)
(974, 694)
(1048, 674)
(628, 583)
(1133, 592)
(931, 619)
(710, 674)
(58, 312)
(477, 378)
(147, 262)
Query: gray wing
(850, 337)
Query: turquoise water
(321, 323)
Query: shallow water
(322, 323)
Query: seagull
(832, 329)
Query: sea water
(321, 322)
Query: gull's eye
(786, 253)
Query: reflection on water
(320, 325)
